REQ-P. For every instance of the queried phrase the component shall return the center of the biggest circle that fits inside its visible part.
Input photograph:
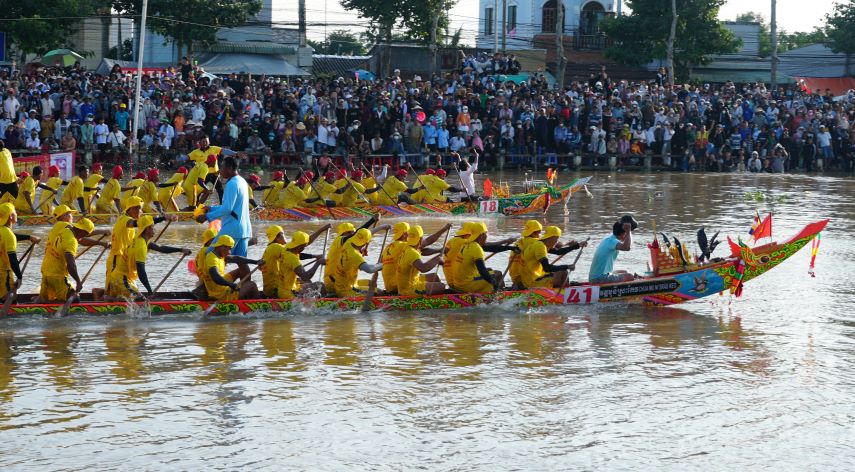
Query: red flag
(488, 188)
(764, 229)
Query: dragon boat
(517, 204)
(669, 282)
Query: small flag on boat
(755, 224)
(488, 188)
(814, 249)
(761, 229)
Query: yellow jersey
(351, 196)
(369, 183)
(91, 182)
(9, 243)
(109, 193)
(271, 271)
(291, 197)
(271, 196)
(148, 193)
(122, 237)
(215, 290)
(347, 271)
(72, 192)
(7, 168)
(133, 187)
(465, 270)
(409, 277)
(200, 156)
(290, 283)
(516, 260)
(449, 261)
(533, 269)
(389, 259)
(27, 186)
(61, 240)
(47, 195)
(333, 261)
(391, 188)
(166, 194)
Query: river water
(764, 382)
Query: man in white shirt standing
(100, 132)
(11, 104)
(166, 133)
(467, 170)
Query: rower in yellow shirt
(271, 195)
(537, 271)
(437, 185)
(275, 274)
(203, 155)
(95, 179)
(221, 286)
(75, 192)
(369, 182)
(471, 273)
(344, 232)
(194, 185)
(148, 192)
(25, 202)
(421, 196)
(171, 189)
(293, 196)
(413, 273)
(124, 231)
(133, 187)
(391, 252)
(199, 263)
(394, 188)
(58, 263)
(349, 192)
(530, 234)
(49, 190)
(121, 283)
(10, 269)
(351, 261)
(323, 191)
(109, 201)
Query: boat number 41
(581, 295)
(489, 206)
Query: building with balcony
(534, 23)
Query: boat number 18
(489, 206)
(581, 295)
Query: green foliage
(341, 42)
(840, 28)
(199, 20)
(127, 51)
(414, 17)
(31, 28)
(641, 36)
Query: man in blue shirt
(234, 208)
(602, 266)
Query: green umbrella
(65, 56)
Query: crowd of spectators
(720, 127)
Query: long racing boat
(517, 204)
(669, 282)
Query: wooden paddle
(372, 286)
(323, 202)
(323, 253)
(393, 200)
(419, 178)
(10, 298)
(567, 273)
(346, 178)
(241, 281)
(93, 266)
(183, 256)
(88, 247)
(161, 231)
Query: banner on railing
(63, 160)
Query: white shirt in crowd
(198, 113)
(823, 139)
(116, 138)
(332, 136)
(457, 143)
(166, 133)
(11, 106)
(33, 142)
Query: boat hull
(696, 282)
(521, 204)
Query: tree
(764, 46)
(642, 36)
(32, 25)
(341, 42)
(191, 22)
(383, 16)
(786, 41)
(840, 28)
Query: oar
(93, 266)
(11, 296)
(323, 201)
(161, 231)
(468, 197)
(88, 247)
(168, 274)
(323, 253)
(567, 273)
(372, 286)
(346, 178)
(241, 281)
(444, 242)
(393, 200)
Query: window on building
(512, 17)
(549, 16)
(488, 21)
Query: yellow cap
(225, 240)
(465, 229)
(273, 231)
(208, 235)
(344, 228)
(476, 229)
(299, 238)
(131, 202)
(6, 210)
(63, 209)
(415, 234)
(399, 229)
(531, 226)
(551, 231)
(144, 222)
(85, 225)
(198, 211)
(361, 238)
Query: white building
(529, 21)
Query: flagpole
(140, 53)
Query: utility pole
(504, 25)
(670, 46)
(301, 21)
(433, 46)
(496, 27)
(561, 63)
(774, 39)
(140, 54)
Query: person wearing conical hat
(110, 201)
(471, 273)
(536, 270)
(530, 234)
(413, 273)
(58, 263)
(49, 190)
(222, 286)
(10, 269)
(171, 189)
(351, 262)
(344, 231)
(121, 283)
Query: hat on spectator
(301, 126)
